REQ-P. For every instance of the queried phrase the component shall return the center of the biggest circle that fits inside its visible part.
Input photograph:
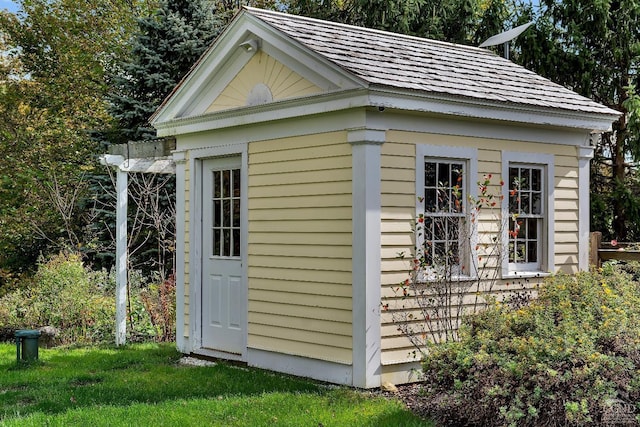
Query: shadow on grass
(148, 373)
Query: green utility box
(27, 345)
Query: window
(444, 207)
(526, 216)
(226, 213)
(442, 189)
(529, 209)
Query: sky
(9, 5)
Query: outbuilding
(304, 151)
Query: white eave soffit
(476, 108)
(385, 98)
(225, 58)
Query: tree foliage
(51, 98)
(593, 48)
(458, 21)
(166, 44)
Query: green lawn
(143, 385)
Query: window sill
(452, 279)
(526, 274)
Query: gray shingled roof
(392, 60)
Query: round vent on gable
(260, 94)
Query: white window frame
(466, 155)
(546, 251)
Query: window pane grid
(444, 192)
(225, 207)
(526, 214)
(444, 205)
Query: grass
(143, 385)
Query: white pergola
(140, 157)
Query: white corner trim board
(366, 187)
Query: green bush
(63, 294)
(565, 359)
(80, 303)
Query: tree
(458, 21)
(593, 48)
(53, 84)
(167, 44)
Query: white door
(223, 305)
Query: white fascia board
(224, 60)
(316, 104)
(336, 121)
(458, 106)
(475, 128)
(364, 97)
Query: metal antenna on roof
(505, 37)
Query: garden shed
(304, 151)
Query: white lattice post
(121, 245)
(121, 256)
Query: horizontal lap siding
(566, 208)
(398, 200)
(300, 268)
(398, 210)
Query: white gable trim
(225, 58)
(278, 110)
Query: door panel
(223, 303)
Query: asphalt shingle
(404, 62)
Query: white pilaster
(585, 154)
(366, 148)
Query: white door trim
(195, 245)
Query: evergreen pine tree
(168, 43)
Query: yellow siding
(311, 288)
(566, 211)
(398, 210)
(329, 352)
(262, 68)
(299, 249)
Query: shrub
(160, 302)
(80, 303)
(429, 303)
(63, 294)
(565, 359)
